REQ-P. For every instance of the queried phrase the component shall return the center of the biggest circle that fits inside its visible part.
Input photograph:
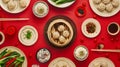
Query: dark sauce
(81, 11)
(1, 37)
(113, 28)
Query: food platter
(61, 62)
(12, 48)
(89, 22)
(61, 5)
(104, 13)
(60, 31)
(17, 8)
(101, 62)
(28, 35)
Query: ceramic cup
(2, 38)
(113, 28)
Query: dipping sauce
(113, 28)
(1, 37)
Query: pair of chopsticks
(13, 19)
(106, 50)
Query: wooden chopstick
(13, 19)
(105, 50)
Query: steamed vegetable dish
(62, 1)
(10, 58)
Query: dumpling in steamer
(23, 3)
(106, 1)
(97, 1)
(62, 39)
(101, 7)
(11, 5)
(5, 1)
(61, 28)
(66, 33)
(115, 3)
(109, 7)
(55, 35)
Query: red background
(108, 41)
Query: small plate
(61, 5)
(40, 3)
(22, 37)
(61, 62)
(102, 60)
(17, 50)
(84, 30)
(103, 14)
(43, 55)
(78, 49)
(18, 9)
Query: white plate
(18, 9)
(61, 5)
(61, 61)
(3, 38)
(97, 31)
(42, 4)
(25, 41)
(102, 60)
(18, 50)
(103, 14)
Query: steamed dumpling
(97, 1)
(55, 35)
(62, 39)
(100, 64)
(66, 33)
(5, 1)
(11, 5)
(106, 1)
(40, 10)
(61, 28)
(115, 3)
(109, 7)
(101, 7)
(23, 3)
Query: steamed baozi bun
(62, 39)
(23, 3)
(61, 28)
(11, 5)
(55, 35)
(106, 1)
(115, 3)
(5, 1)
(101, 7)
(109, 7)
(97, 1)
(66, 33)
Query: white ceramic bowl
(3, 38)
(113, 34)
(40, 4)
(77, 51)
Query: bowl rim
(3, 37)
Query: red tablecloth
(109, 41)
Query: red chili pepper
(5, 56)
(10, 62)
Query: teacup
(113, 28)
(2, 38)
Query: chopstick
(106, 50)
(13, 19)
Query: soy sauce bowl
(2, 38)
(113, 28)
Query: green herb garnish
(62, 1)
(28, 35)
